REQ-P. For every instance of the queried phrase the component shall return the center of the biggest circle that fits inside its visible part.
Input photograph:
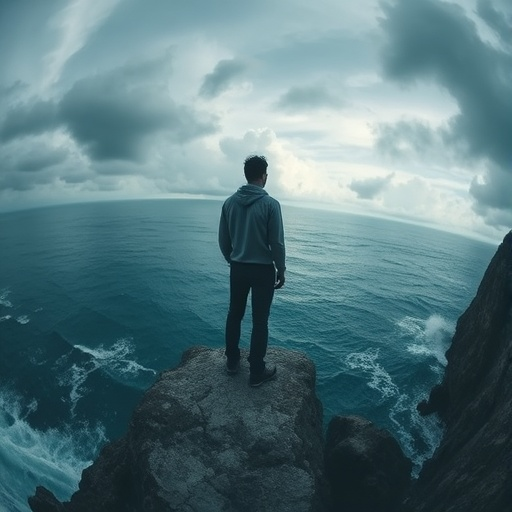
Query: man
(251, 239)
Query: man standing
(251, 239)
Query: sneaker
(260, 378)
(233, 367)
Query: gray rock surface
(201, 440)
(471, 471)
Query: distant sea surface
(96, 299)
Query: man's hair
(255, 167)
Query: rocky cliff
(471, 471)
(201, 440)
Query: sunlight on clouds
(355, 131)
(426, 202)
(357, 188)
(288, 174)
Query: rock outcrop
(365, 466)
(471, 470)
(201, 440)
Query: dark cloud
(9, 91)
(29, 119)
(404, 139)
(115, 120)
(18, 182)
(106, 124)
(27, 174)
(494, 192)
(219, 80)
(495, 20)
(31, 161)
(430, 39)
(307, 98)
(369, 188)
(36, 161)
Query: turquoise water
(96, 299)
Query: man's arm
(224, 239)
(276, 243)
(279, 280)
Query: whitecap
(23, 319)
(418, 350)
(410, 426)
(4, 293)
(4, 318)
(430, 336)
(437, 327)
(380, 380)
(75, 377)
(54, 458)
(116, 359)
(410, 326)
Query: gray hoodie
(251, 228)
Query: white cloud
(430, 40)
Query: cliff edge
(472, 468)
(201, 440)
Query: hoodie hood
(249, 194)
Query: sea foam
(116, 361)
(4, 293)
(379, 379)
(54, 458)
(430, 337)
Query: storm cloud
(438, 42)
(220, 79)
(29, 119)
(113, 120)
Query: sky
(399, 108)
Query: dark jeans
(260, 279)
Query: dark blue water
(97, 299)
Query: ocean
(96, 299)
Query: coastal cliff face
(201, 440)
(472, 468)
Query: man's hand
(279, 281)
